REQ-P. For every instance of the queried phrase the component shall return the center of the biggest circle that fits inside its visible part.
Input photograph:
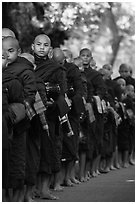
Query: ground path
(115, 186)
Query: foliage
(64, 22)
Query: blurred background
(107, 28)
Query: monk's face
(86, 57)
(108, 70)
(10, 46)
(41, 46)
(122, 84)
(130, 90)
(124, 71)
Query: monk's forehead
(124, 68)
(87, 52)
(42, 38)
(10, 43)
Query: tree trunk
(115, 32)
(115, 47)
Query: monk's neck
(86, 66)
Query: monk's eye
(46, 44)
(11, 50)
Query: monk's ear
(19, 51)
(32, 47)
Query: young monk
(124, 71)
(113, 91)
(124, 126)
(13, 111)
(20, 68)
(70, 144)
(54, 75)
(96, 92)
(130, 92)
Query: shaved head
(7, 32)
(11, 46)
(42, 37)
(58, 55)
(85, 50)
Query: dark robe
(109, 122)
(51, 146)
(23, 69)
(12, 92)
(36, 140)
(49, 71)
(74, 83)
(113, 92)
(95, 87)
(124, 128)
(85, 141)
